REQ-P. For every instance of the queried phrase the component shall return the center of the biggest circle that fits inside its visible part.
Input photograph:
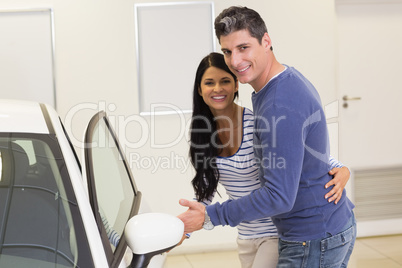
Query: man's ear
(266, 42)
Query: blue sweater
(291, 147)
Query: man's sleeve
(281, 136)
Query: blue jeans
(329, 252)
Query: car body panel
(21, 117)
(80, 189)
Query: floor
(372, 252)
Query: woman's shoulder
(247, 114)
(248, 120)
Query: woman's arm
(341, 176)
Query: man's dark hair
(237, 18)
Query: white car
(55, 212)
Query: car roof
(18, 116)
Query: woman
(221, 150)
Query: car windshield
(40, 223)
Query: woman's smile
(219, 98)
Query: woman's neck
(229, 118)
(230, 130)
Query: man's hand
(341, 177)
(194, 217)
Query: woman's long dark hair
(203, 138)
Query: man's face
(247, 58)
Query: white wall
(96, 69)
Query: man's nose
(235, 60)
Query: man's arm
(194, 217)
(279, 184)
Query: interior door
(370, 87)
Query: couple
(315, 224)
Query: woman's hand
(341, 177)
(182, 239)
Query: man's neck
(274, 69)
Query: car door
(112, 191)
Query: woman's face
(217, 88)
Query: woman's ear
(199, 91)
(237, 85)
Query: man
(291, 148)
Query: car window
(40, 223)
(112, 190)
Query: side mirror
(150, 234)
